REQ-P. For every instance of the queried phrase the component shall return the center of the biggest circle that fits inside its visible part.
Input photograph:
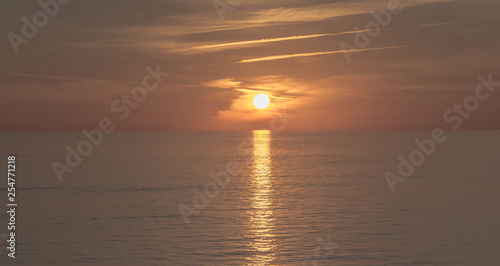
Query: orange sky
(426, 59)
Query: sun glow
(261, 101)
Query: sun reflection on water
(261, 211)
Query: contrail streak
(280, 39)
(278, 57)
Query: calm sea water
(298, 195)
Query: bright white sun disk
(261, 101)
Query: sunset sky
(428, 58)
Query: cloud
(326, 11)
(67, 78)
(279, 57)
(269, 40)
(93, 52)
(238, 44)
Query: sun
(261, 101)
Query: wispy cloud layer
(279, 57)
(233, 45)
(427, 55)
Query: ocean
(254, 198)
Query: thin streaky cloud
(445, 23)
(430, 25)
(66, 78)
(279, 39)
(279, 57)
(298, 37)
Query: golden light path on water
(261, 215)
